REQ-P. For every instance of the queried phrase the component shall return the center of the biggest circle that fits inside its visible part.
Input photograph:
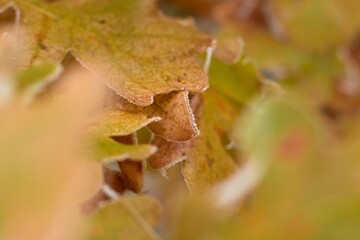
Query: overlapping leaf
(177, 120)
(138, 52)
(115, 123)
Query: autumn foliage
(177, 119)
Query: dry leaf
(168, 153)
(132, 175)
(177, 120)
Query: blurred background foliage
(283, 104)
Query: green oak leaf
(107, 149)
(117, 123)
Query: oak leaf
(112, 123)
(136, 50)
